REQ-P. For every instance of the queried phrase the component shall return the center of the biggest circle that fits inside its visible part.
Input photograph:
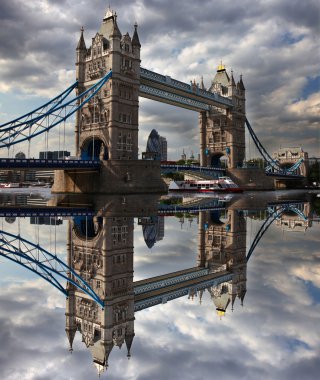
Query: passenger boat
(223, 184)
(9, 185)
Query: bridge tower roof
(221, 75)
(109, 24)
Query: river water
(190, 288)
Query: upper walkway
(168, 90)
(184, 285)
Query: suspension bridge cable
(63, 95)
(17, 136)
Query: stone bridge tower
(298, 220)
(222, 130)
(100, 250)
(287, 157)
(222, 246)
(107, 127)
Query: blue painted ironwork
(10, 163)
(274, 213)
(273, 167)
(163, 298)
(204, 169)
(57, 114)
(44, 211)
(210, 204)
(181, 86)
(45, 264)
(173, 280)
(174, 98)
(38, 112)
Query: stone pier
(114, 177)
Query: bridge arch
(215, 159)
(94, 148)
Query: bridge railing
(10, 163)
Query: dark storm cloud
(300, 13)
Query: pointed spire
(200, 296)
(233, 83)
(129, 339)
(234, 295)
(241, 85)
(243, 293)
(115, 30)
(108, 349)
(202, 84)
(81, 44)
(221, 67)
(135, 37)
(109, 13)
(71, 332)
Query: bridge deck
(165, 276)
(34, 163)
(168, 90)
(180, 285)
(44, 211)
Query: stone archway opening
(94, 149)
(219, 160)
(87, 228)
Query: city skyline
(272, 45)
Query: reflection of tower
(222, 246)
(298, 219)
(101, 251)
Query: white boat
(223, 184)
(9, 185)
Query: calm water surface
(192, 288)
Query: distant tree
(315, 205)
(176, 176)
(314, 172)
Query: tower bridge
(109, 81)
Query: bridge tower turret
(222, 130)
(107, 126)
(222, 246)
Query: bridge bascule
(106, 109)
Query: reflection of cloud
(274, 336)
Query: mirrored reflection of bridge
(102, 295)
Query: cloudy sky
(275, 335)
(274, 44)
